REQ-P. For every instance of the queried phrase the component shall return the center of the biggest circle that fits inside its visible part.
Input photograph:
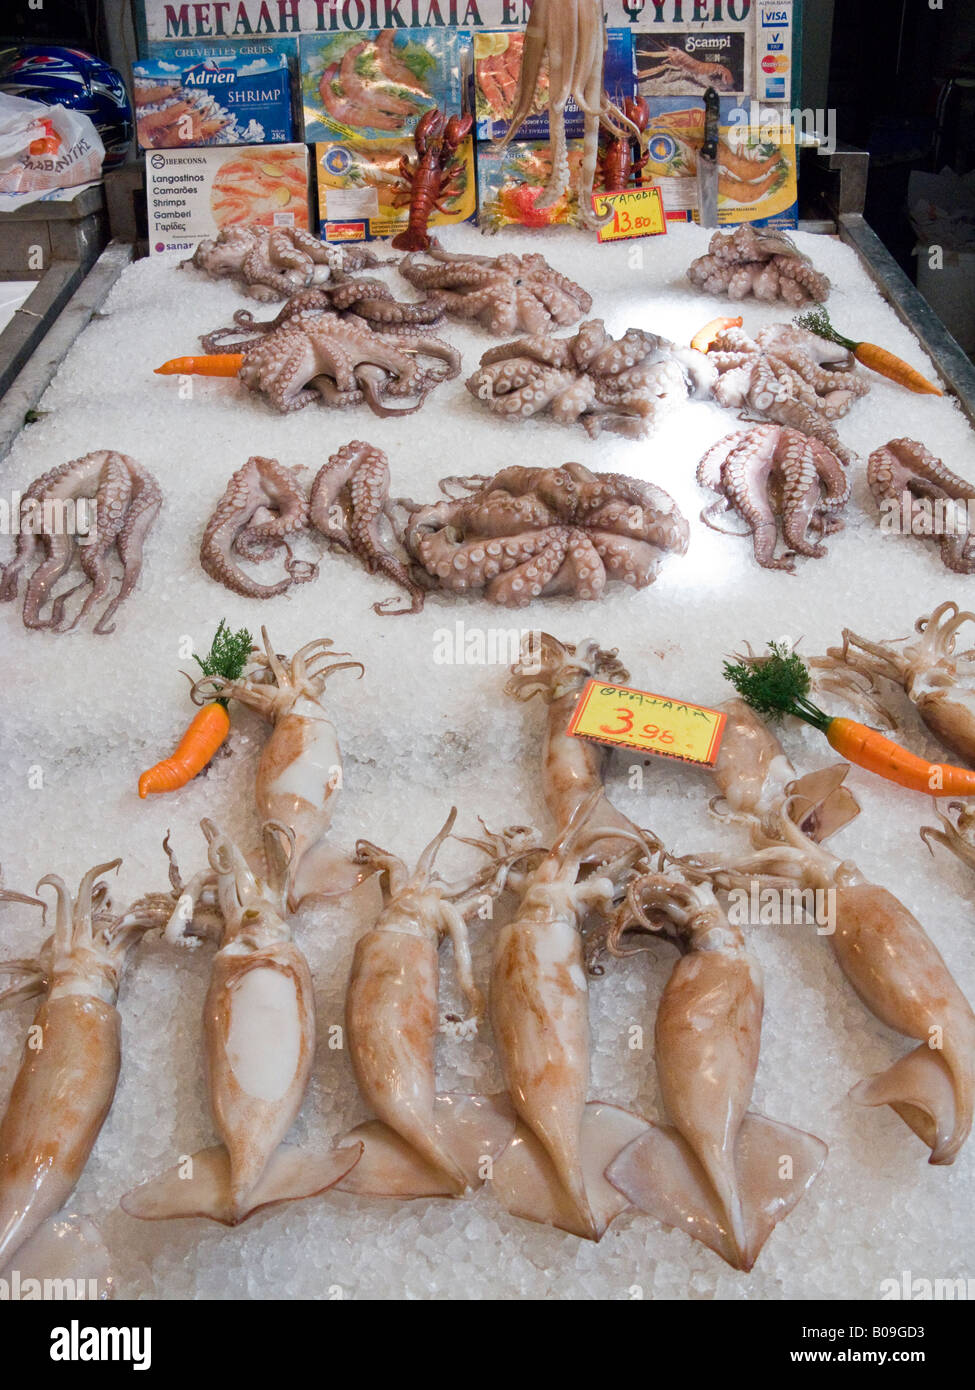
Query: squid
(552, 1171)
(64, 1089)
(300, 769)
(259, 1032)
(938, 681)
(722, 1172)
(573, 768)
(423, 1144)
(896, 970)
(957, 835)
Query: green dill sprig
(228, 655)
(776, 685)
(818, 321)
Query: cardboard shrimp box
(199, 94)
(362, 196)
(194, 194)
(378, 84)
(497, 69)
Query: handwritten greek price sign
(628, 718)
(636, 212)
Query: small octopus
(343, 363)
(772, 474)
(594, 379)
(506, 294)
(275, 262)
(365, 299)
(117, 500)
(765, 264)
(788, 375)
(263, 507)
(908, 482)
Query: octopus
(571, 35)
(275, 262)
(530, 533)
(772, 474)
(765, 264)
(592, 378)
(86, 509)
(263, 507)
(788, 375)
(505, 294)
(344, 363)
(365, 299)
(918, 495)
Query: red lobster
(619, 168)
(432, 181)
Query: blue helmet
(69, 77)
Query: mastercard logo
(775, 63)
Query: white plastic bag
(44, 147)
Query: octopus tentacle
(263, 504)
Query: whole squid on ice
(64, 1089)
(894, 967)
(423, 1143)
(300, 769)
(720, 1171)
(552, 1171)
(573, 768)
(259, 1033)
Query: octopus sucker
(765, 264)
(772, 475)
(506, 294)
(911, 486)
(275, 262)
(717, 1170)
(120, 501)
(592, 379)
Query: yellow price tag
(636, 212)
(628, 718)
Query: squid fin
(527, 1185)
(920, 1089)
(325, 872)
(468, 1130)
(290, 1175)
(661, 1175)
(830, 804)
(70, 1251)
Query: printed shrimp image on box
(364, 190)
(262, 188)
(377, 85)
(191, 94)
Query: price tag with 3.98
(626, 718)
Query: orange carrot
(870, 749)
(228, 655)
(197, 746)
(703, 339)
(216, 364)
(779, 684)
(878, 359)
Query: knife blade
(707, 162)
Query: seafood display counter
(352, 1112)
